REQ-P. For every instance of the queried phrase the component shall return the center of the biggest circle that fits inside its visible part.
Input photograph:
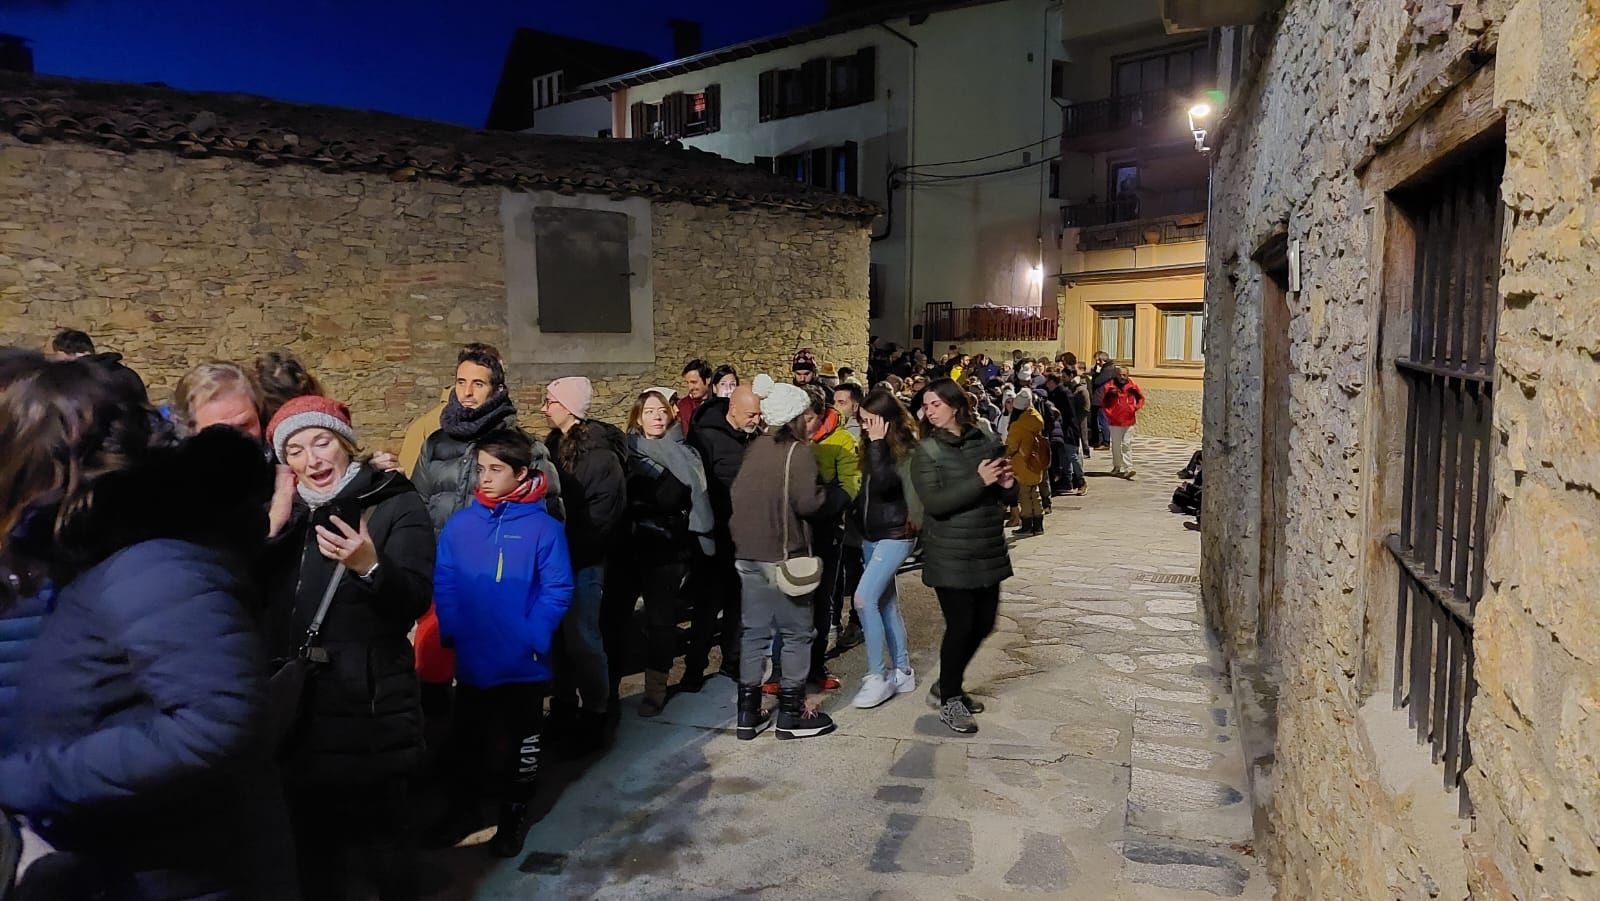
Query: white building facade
(943, 117)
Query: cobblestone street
(1108, 765)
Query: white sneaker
(875, 689)
(905, 681)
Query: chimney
(15, 54)
(685, 37)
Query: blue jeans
(581, 664)
(878, 603)
(1073, 466)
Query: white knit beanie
(780, 401)
(1024, 399)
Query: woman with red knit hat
(589, 457)
(366, 541)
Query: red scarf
(826, 426)
(532, 489)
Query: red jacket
(1122, 402)
(686, 408)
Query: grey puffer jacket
(963, 526)
(446, 473)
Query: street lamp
(1199, 117)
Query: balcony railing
(1155, 230)
(1083, 215)
(944, 322)
(1114, 113)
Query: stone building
(1402, 443)
(178, 227)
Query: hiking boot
(955, 714)
(769, 688)
(795, 721)
(655, 693)
(851, 637)
(752, 719)
(875, 689)
(587, 736)
(936, 702)
(512, 832)
(828, 682)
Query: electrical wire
(976, 159)
(934, 178)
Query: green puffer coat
(963, 526)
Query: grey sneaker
(934, 701)
(956, 715)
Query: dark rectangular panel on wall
(582, 261)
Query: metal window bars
(1444, 508)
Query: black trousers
(339, 830)
(496, 742)
(715, 586)
(1058, 468)
(851, 565)
(969, 615)
(827, 542)
(660, 585)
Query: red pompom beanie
(309, 412)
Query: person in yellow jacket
(417, 434)
(1029, 452)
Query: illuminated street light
(1199, 115)
(1036, 274)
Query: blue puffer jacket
(19, 626)
(502, 581)
(140, 713)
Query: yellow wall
(1147, 294)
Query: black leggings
(968, 619)
(507, 722)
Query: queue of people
(225, 615)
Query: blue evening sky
(435, 60)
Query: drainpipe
(911, 159)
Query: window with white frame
(547, 90)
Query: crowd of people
(230, 632)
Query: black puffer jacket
(881, 506)
(963, 527)
(594, 491)
(360, 722)
(721, 448)
(446, 472)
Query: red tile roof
(137, 117)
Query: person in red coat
(696, 388)
(1123, 400)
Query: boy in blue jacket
(502, 581)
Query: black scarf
(465, 424)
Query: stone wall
(1170, 413)
(1334, 91)
(374, 283)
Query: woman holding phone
(964, 483)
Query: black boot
(513, 831)
(752, 719)
(793, 719)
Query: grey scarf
(672, 453)
(315, 499)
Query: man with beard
(446, 474)
(722, 431)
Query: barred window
(1449, 373)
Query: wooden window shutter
(851, 179)
(814, 85)
(821, 173)
(767, 89)
(639, 127)
(672, 117)
(713, 107)
(866, 74)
